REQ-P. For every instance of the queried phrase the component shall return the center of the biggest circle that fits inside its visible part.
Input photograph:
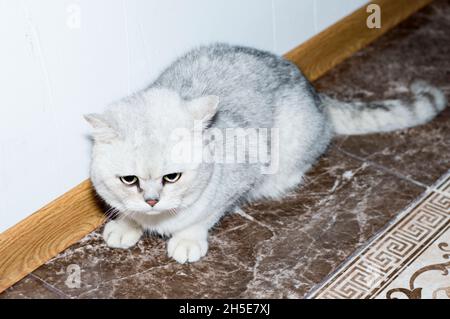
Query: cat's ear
(204, 108)
(103, 132)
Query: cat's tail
(425, 103)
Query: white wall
(62, 58)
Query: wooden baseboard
(66, 220)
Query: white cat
(133, 164)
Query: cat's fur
(225, 86)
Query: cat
(215, 88)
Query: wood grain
(327, 49)
(43, 235)
(66, 220)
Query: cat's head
(135, 167)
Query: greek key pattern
(363, 275)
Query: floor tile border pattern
(411, 294)
(383, 258)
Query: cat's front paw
(184, 249)
(121, 234)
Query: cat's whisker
(110, 212)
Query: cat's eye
(171, 178)
(129, 180)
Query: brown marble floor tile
(223, 273)
(30, 288)
(421, 154)
(344, 203)
(146, 272)
(419, 48)
(99, 263)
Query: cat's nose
(152, 202)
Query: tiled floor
(410, 259)
(290, 247)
